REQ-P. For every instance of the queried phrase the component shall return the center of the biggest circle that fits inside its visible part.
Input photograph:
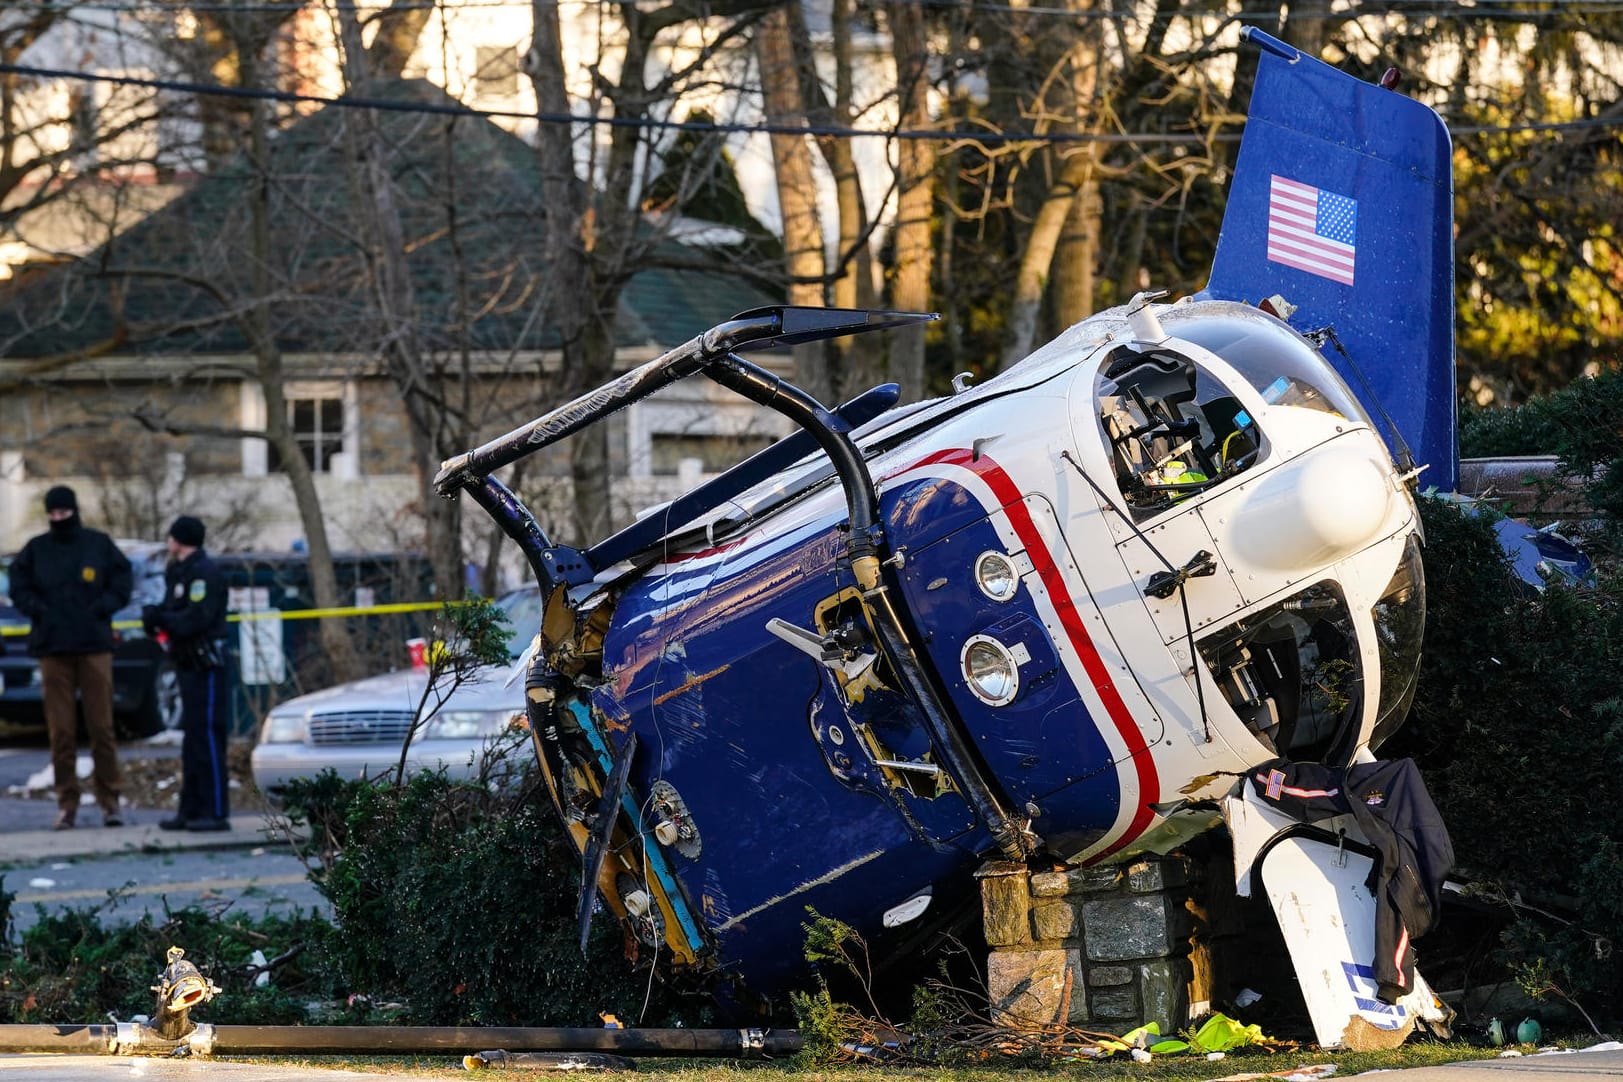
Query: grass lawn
(1171, 1068)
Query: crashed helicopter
(1056, 614)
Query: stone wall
(1104, 948)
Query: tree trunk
(1072, 293)
(336, 641)
(576, 244)
(1037, 260)
(1075, 258)
(797, 190)
(861, 357)
(400, 28)
(394, 297)
(915, 198)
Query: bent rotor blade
(597, 847)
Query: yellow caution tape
(284, 614)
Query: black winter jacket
(193, 612)
(69, 587)
(1390, 803)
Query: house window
(696, 422)
(497, 72)
(323, 419)
(717, 452)
(318, 424)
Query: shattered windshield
(1292, 674)
(1400, 619)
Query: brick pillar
(1104, 948)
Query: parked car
(146, 699)
(357, 728)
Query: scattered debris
(1312, 1073)
(547, 1061)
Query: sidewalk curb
(38, 846)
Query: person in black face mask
(69, 583)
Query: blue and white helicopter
(1056, 613)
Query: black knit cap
(188, 531)
(61, 498)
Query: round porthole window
(990, 670)
(997, 576)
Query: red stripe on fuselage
(1013, 501)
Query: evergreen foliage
(1582, 425)
(1518, 726)
(458, 900)
(76, 967)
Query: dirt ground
(154, 781)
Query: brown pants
(91, 676)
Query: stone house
(131, 374)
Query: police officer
(69, 583)
(193, 617)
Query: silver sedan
(357, 728)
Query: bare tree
(383, 243)
(781, 93)
(915, 184)
(595, 232)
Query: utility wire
(1482, 10)
(762, 128)
(650, 123)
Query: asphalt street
(137, 869)
(250, 881)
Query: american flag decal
(1312, 230)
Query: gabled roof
(142, 289)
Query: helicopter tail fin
(1342, 204)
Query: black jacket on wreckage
(1390, 803)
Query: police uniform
(193, 617)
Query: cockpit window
(1275, 360)
(1172, 428)
(1400, 618)
(1292, 674)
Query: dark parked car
(146, 699)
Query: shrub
(1518, 725)
(1582, 425)
(1527, 429)
(71, 967)
(459, 899)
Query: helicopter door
(1170, 544)
(1073, 709)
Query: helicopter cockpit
(1172, 428)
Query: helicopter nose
(1324, 506)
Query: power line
(1489, 10)
(649, 123)
(758, 128)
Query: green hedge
(1518, 727)
(1582, 425)
(74, 967)
(458, 899)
